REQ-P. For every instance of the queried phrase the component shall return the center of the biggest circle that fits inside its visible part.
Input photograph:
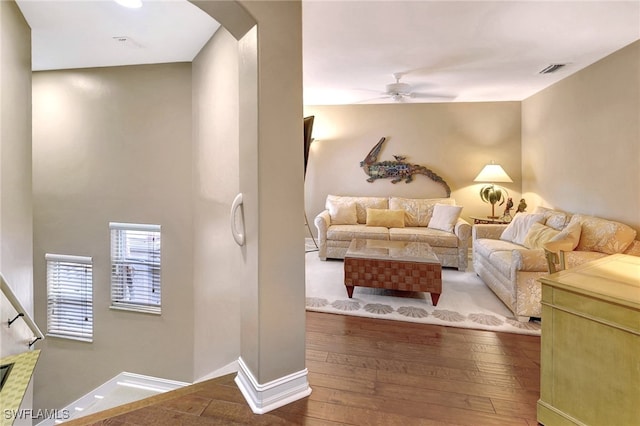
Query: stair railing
(22, 312)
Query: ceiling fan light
(398, 88)
(131, 4)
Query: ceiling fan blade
(372, 99)
(370, 90)
(419, 95)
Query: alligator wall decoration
(397, 170)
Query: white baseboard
(263, 398)
(232, 367)
(124, 379)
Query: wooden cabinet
(590, 359)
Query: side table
(488, 221)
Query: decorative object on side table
(522, 206)
(491, 193)
(506, 216)
(397, 170)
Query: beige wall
(272, 177)
(91, 128)
(114, 144)
(581, 140)
(216, 182)
(15, 154)
(16, 229)
(455, 140)
(16, 210)
(271, 279)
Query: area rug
(465, 301)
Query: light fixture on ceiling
(491, 193)
(131, 4)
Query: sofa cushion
(435, 237)
(486, 246)
(517, 230)
(556, 219)
(577, 258)
(444, 217)
(606, 236)
(342, 213)
(538, 235)
(418, 211)
(349, 232)
(385, 217)
(361, 204)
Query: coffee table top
(407, 251)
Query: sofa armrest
(487, 231)
(322, 222)
(462, 229)
(529, 260)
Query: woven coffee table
(393, 265)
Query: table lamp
(492, 194)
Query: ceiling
(447, 51)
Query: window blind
(135, 267)
(70, 297)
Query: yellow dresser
(590, 360)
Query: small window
(70, 297)
(135, 267)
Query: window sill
(137, 309)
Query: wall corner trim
(263, 398)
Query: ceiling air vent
(552, 68)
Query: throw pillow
(538, 235)
(519, 227)
(385, 217)
(556, 219)
(444, 217)
(570, 233)
(343, 213)
(605, 236)
(418, 211)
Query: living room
(558, 146)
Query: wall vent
(552, 68)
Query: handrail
(22, 312)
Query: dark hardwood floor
(373, 372)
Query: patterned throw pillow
(418, 210)
(361, 203)
(605, 236)
(342, 213)
(556, 219)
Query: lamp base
(493, 217)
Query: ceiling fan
(400, 91)
(397, 91)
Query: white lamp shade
(492, 173)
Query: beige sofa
(511, 264)
(346, 218)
